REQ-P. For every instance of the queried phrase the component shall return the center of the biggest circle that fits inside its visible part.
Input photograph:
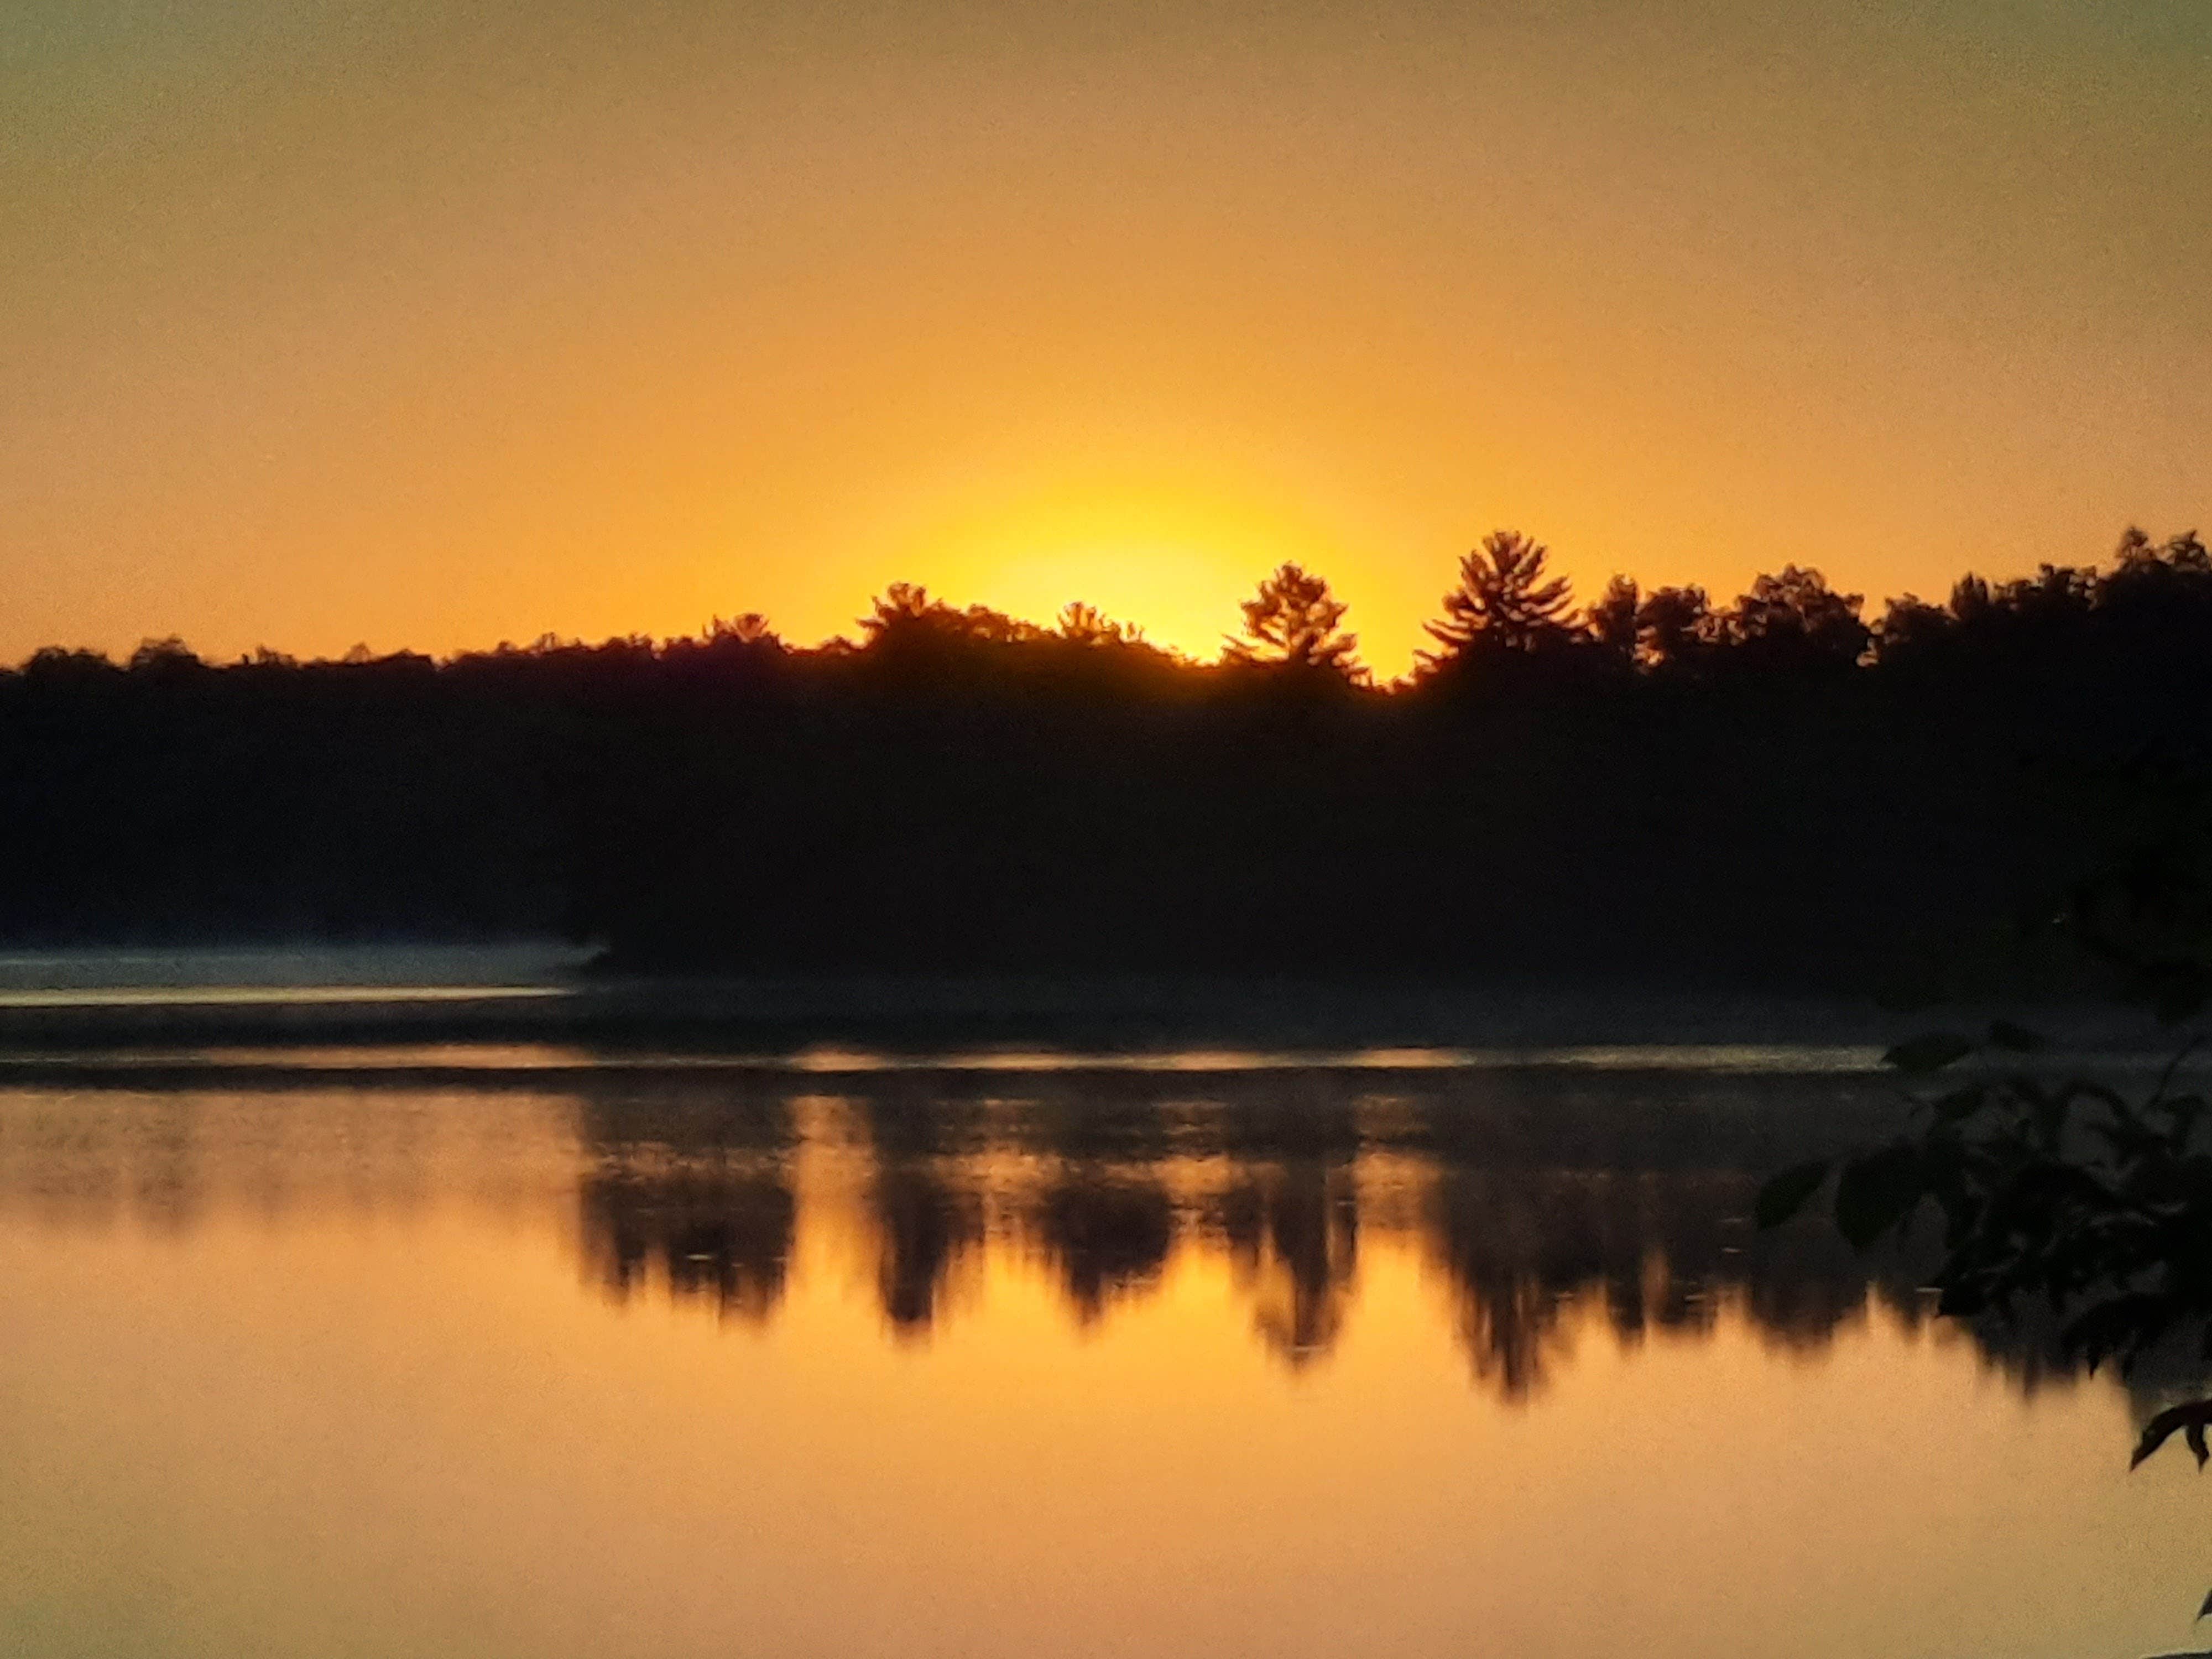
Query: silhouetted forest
(1778, 787)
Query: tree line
(1774, 788)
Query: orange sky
(379, 326)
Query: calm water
(514, 1352)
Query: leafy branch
(2058, 1191)
(2062, 1191)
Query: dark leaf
(2167, 1424)
(1876, 1192)
(1784, 1195)
(1931, 1052)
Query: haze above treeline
(1774, 791)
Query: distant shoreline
(59, 1012)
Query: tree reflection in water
(1543, 1200)
(692, 1187)
(1548, 1203)
(1107, 1231)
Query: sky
(430, 326)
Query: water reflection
(1107, 1231)
(1532, 1195)
(1292, 1230)
(690, 1190)
(1543, 1203)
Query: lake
(521, 1349)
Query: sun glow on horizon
(1171, 550)
(600, 321)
